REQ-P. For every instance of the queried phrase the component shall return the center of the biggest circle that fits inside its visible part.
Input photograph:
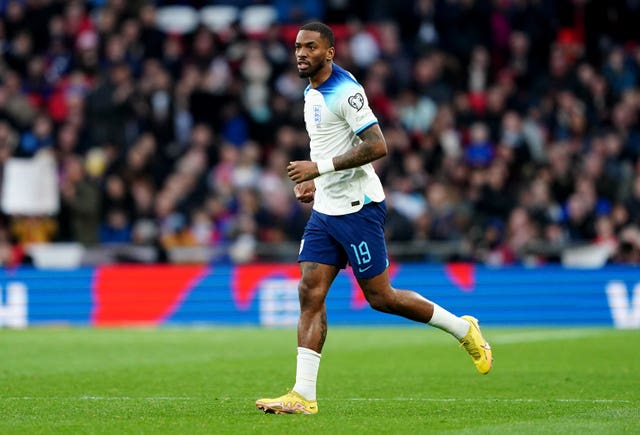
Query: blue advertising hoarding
(266, 294)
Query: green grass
(374, 380)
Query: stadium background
(158, 132)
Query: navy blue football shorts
(356, 238)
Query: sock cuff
(446, 321)
(307, 351)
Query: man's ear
(331, 52)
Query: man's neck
(322, 75)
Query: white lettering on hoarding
(625, 310)
(279, 304)
(13, 312)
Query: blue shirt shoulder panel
(339, 81)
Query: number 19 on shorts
(363, 256)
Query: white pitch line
(135, 398)
(453, 399)
(350, 399)
(98, 398)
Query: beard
(312, 70)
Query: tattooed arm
(372, 147)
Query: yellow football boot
(477, 346)
(290, 403)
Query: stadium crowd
(513, 125)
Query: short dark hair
(324, 31)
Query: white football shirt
(335, 113)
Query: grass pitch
(374, 380)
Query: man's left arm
(372, 147)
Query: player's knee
(381, 301)
(310, 297)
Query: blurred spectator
(445, 214)
(116, 227)
(494, 200)
(80, 203)
(605, 232)
(416, 113)
(619, 73)
(362, 44)
(39, 137)
(427, 78)
(479, 71)
(632, 203)
(19, 52)
(422, 31)
(511, 247)
(257, 73)
(539, 203)
(10, 254)
(201, 228)
(514, 145)
(14, 103)
(8, 143)
(579, 219)
(479, 151)
(394, 57)
(110, 107)
(33, 229)
(629, 246)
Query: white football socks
(307, 373)
(446, 321)
(308, 361)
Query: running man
(347, 220)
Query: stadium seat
(218, 18)
(255, 20)
(179, 19)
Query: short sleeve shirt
(335, 113)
